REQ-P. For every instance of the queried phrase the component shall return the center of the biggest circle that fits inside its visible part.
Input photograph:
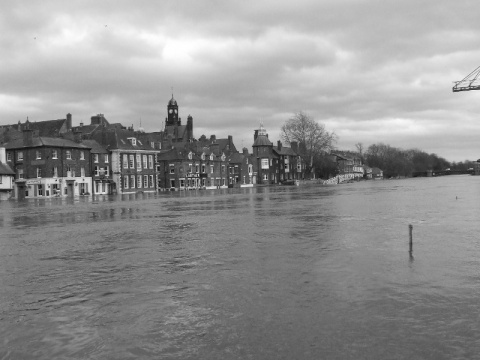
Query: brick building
(46, 166)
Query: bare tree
(312, 138)
(360, 148)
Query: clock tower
(172, 111)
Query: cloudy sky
(370, 70)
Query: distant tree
(313, 139)
(360, 149)
(397, 162)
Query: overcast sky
(370, 70)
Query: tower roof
(172, 101)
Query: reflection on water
(265, 273)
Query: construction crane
(470, 82)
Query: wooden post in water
(410, 228)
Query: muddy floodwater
(307, 272)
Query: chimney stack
(294, 146)
(3, 156)
(69, 121)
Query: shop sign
(33, 182)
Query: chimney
(3, 156)
(294, 146)
(27, 137)
(69, 121)
(189, 127)
(245, 151)
(279, 145)
(213, 138)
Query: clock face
(170, 111)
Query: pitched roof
(5, 169)
(285, 151)
(44, 141)
(96, 148)
(115, 138)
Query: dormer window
(211, 156)
(133, 141)
(203, 156)
(190, 155)
(223, 157)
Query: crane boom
(470, 82)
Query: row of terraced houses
(54, 158)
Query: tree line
(316, 145)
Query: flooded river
(304, 272)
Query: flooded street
(304, 272)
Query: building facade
(7, 176)
(46, 167)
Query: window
(133, 141)
(39, 172)
(190, 168)
(125, 161)
(40, 190)
(145, 162)
(223, 168)
(182, 183)
(150, 161)
(203, 168)
(20, 173)
(54, 154)
(38, 154)
(145, 181)
(132, 161)
(125, 182)
(96, 169)
(152, 144)
(55, 172)
(265, 176)
(69, 154)
(107, 170)
(190, 155)
(211, 156)
(9, 156)
(82, 155)
(139, 162)
(20, 156)
(203, 156)
(172, 168)
(211, 169)
(132, 181)
(265, 164)
(197, 168)
(250, 169)
(150, 182)
(95, 158)
(139, 181)
(105, 158)
(172, 183)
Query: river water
(307, 272)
